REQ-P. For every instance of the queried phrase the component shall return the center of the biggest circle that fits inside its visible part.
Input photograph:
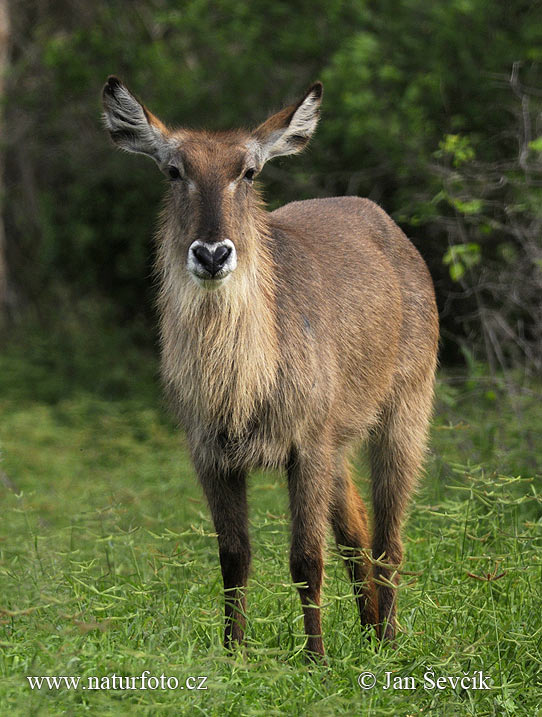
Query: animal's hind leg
(350, 526)
(396, 449)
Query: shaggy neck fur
(219, 348)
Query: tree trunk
(4, 58)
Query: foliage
(460, 257)
(491, 212)
(417, 98)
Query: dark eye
(249, 175)
(173, 172)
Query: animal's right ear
(130, 124)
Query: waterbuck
(287, 337)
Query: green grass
(108, 561)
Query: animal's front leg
(226, 495)
(309, 490)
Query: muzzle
(211, 264)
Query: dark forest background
(433, 110)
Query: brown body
(324, 334)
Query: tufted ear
(289, 131)
(130, 124)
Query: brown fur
(324, 336)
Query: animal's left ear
(289, 131)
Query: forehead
(222, 153)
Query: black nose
(211, 259)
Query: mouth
(210, 283)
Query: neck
(219, 348)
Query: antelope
(287, 338)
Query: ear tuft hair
(317, 90)
(112, 84)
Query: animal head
(213, 202)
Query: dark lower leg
(388, 549)
(309, 480)
(350, 526)
(235, 566)
(226, 494)
(395, 458)
(308, 569)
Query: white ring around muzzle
(199, 273)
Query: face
(212, 206)
(211, 180)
